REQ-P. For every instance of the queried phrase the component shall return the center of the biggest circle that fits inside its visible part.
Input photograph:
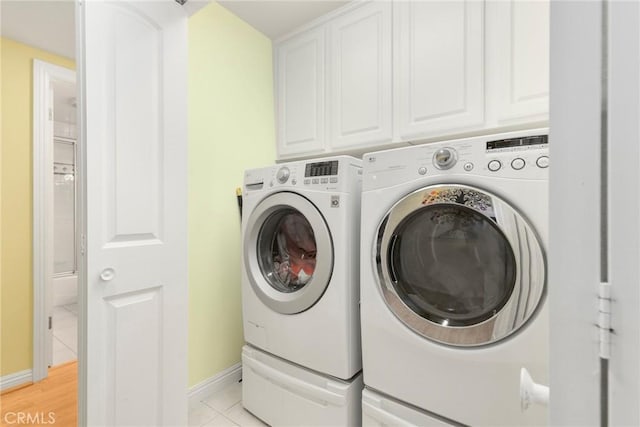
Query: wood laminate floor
(53, 401)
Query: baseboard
(17, 379)
(215, 383)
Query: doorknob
(531, 392)
(107, 274)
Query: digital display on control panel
(517, 142)
(321, 168)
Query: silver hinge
(50, 322)
(82, 244)
(604, 319)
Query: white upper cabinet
(517, 62)
(439, 63)
(359, 103)
(301, 94)
(374, 73)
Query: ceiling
(50, 24)
(275, 18)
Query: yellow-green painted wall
(16, 207)
(231, 128)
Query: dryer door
(288, 252)
(459, 265)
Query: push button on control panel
(543, 162)
(422, 170)
(468, 166)
(494, 165)
(517, 163)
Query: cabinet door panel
(360, 76)
(518, 61)
(439, 67)
(301, 94)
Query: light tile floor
(65, 333)
(223, 408)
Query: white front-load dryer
(453, 276)
(300, 263)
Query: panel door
(517, 61)
(360, 77)
(301, 94)
(134, 82)
(438, 74)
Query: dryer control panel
(515, 155)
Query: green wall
(231, 128)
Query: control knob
(283, 174)
(444, 158)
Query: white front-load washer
(453, 275)
(300, 279)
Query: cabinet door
(360, 77)
(517, 61)
(301, 94)
(438, 74)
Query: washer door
(288, 253)
(459, 265)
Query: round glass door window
(459, 265)
(451, 265)
(287, 250)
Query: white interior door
(133, 68)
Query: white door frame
(44, 74)
(577, 246)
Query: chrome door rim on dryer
(301, 299)
(525, 289)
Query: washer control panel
(337, 173)
(321, 172)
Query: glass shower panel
(64, 206)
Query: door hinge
(82, 244)
(50, 114)
(604, 320)
(50, 322)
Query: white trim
(217, 382)
(43, 74)
(81, 211)
(16, 379)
